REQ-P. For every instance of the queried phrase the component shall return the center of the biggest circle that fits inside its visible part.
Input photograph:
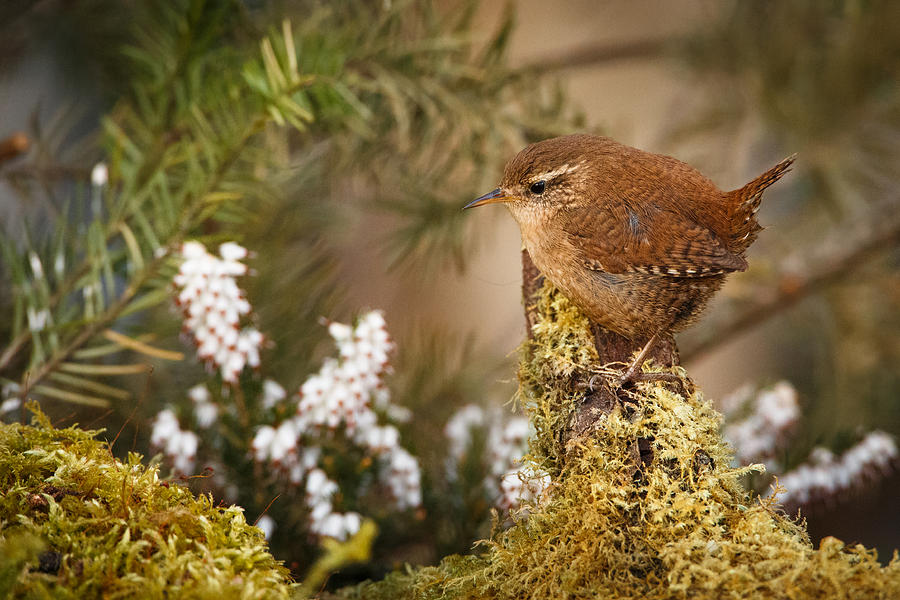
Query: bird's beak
(490, 198)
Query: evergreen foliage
(230, 123)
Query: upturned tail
(746, 202)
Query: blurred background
(339, 153)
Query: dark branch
(595, 54)
(792, 289)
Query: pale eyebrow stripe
(563, 170)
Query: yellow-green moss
(680, 527)
(76, 523)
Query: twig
(594, 54)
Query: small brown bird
(638, 241)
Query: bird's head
(548, 176)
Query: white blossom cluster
(178, 445)
(342, 398)
(774, 414)
(458, 431)
(825, 475)
(205, 410)
(213, 304)
(507, 483)
(343, 390)
(323, 521)
(280, 447)
(403, 477)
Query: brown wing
(619, 239)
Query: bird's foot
(633, 372)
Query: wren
(638, 241)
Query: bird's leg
(633, 373)
(638, 361)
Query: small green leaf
(134, 249)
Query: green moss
(561, 346)
(77, 523)
(681, 526)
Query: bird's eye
(537, 187)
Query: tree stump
(601, 396)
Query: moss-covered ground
(77, 523)
(672, 521)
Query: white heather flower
(36, 267)
(341, 398)
(458, 429)
(182, 450)
(267, 524)
(261, 443)
(343, 390)
(233, 253)
(323, 521)
(272, 394)
(9, 405)
(337, 525)
(506, 444)
(506, 440)
(394, 412)
(319, 487)
(757, 437)
(99, 174)
(213, 305)
(380, 439)
(179, 446)
(37, 320)
(404, 478)
(206, 414)
(826, 476)
(283, 443)
(301, 462)
(59, 264)
(279, 446)
(346, 391)
(199, 394)
(205, 411)
(164, 426)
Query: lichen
(77, 523)
(673, 523)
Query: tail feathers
(746, 202)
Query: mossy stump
(645, 501)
